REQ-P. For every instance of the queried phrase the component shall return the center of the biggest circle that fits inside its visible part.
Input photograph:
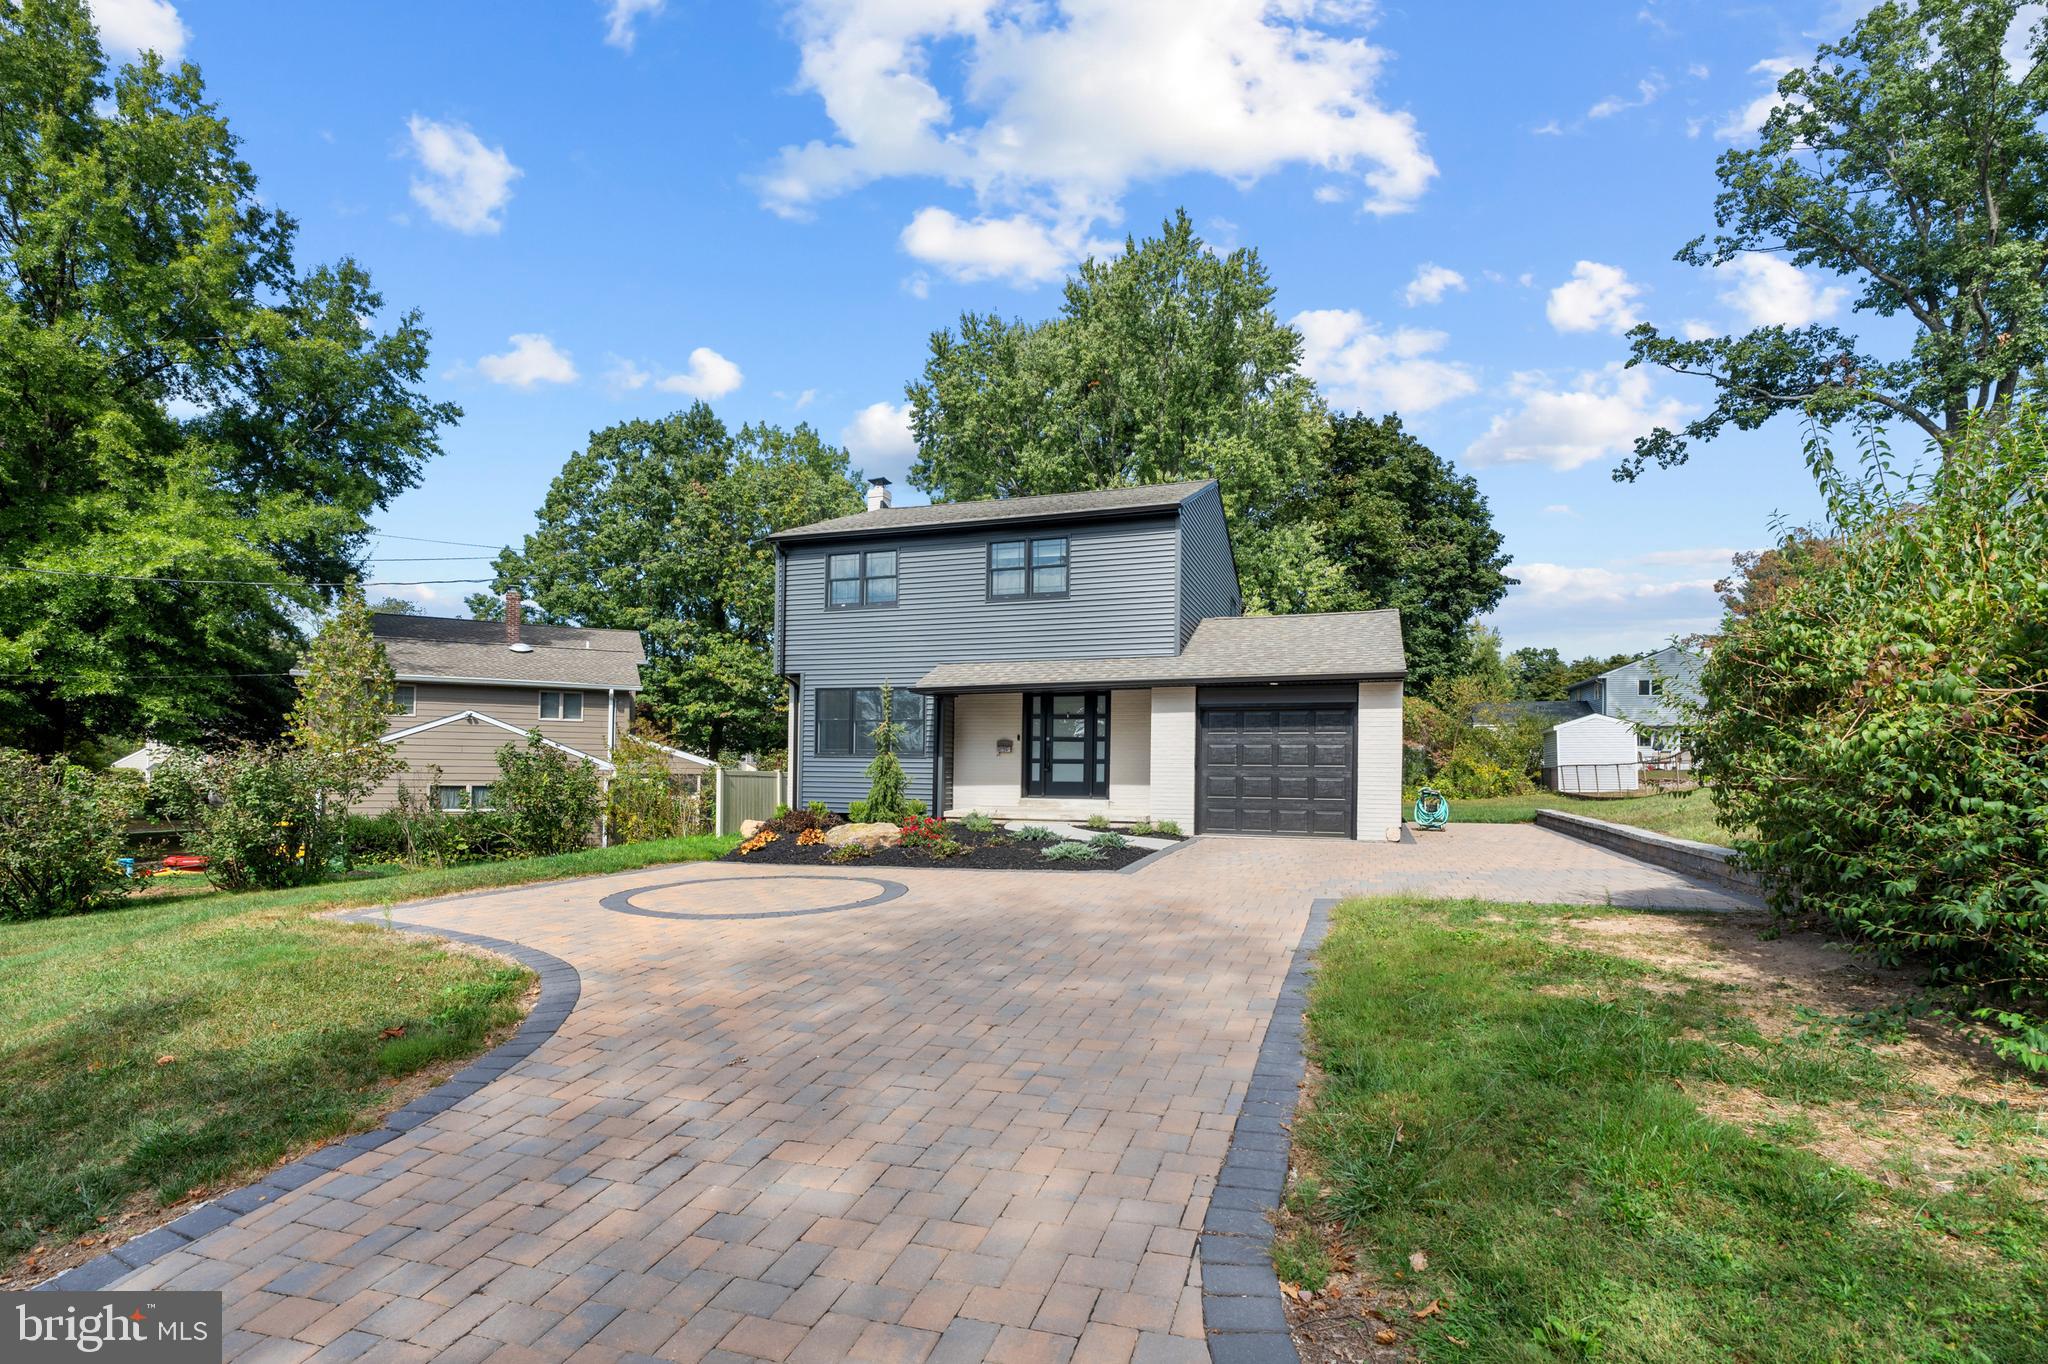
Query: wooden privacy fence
(740, 796)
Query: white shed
(1591, 753)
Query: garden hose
(1432, 811)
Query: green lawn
(1521, 1112)
(1686, 815)
(192, 1039)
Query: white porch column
(1379, 761)
(1173, 756)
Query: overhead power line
(231, 582)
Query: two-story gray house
(1082, 653)
(1652, 693)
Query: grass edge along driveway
(1520, 1110)
(185, 1043)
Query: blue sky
(607, 207)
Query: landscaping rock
(867, 835)
(750, 827)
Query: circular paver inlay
(753, 897)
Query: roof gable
(440, 648)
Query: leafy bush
(1035, 833)
(1469, 776)
(262, 820)
(1167, 828)
(1109, 842)
(60, 831)
(817, 808)
(886, 801)
(857, 812)
(376, 838)
(923, 831)
(548, 799)
(977, 822)
(1097, 822)
(1878, 720)
(645, 800)
(849, 852)
(1071, 852)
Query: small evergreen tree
(886, 800)
(346, 696)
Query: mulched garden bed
(996, 851)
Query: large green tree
(1911, 160)
(184, 413)
(661, 526)
(347, 693)
(1406, 530)
(1166, 362)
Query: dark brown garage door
(1277, 770)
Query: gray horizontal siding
(1208, 574)
(1120, 602)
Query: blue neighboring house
(1086, 653)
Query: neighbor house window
(861, 579)
(1646, 686)
(480, 797)
(463, 797)
(561, 705)
(847, 717)
(1027, 568)
(404, 699)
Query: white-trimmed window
(457, 798)
(561, 705)
(405, 699)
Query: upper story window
(1649, 686)
(405, 699)
(1018, 569)
(561, 705)
(861, 579)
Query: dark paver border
(1242, 1314)
(1149, 858)
(621, 902)
(560, 987)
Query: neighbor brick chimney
(512, 609)
(878, 494)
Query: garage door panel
(1278, 769)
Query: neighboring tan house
(1652, 693)
(467, 688)
(1078, 654)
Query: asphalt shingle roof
(1556, 712)
(1329, 647)
(1159, 497)
(441, 647)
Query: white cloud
(532, 360)
(1616, 607)
(1596, 297)
(1019, 249)
(1749, 119)
(1771, 292)
(1693, 329)
(1359, 366)
(622, 16)
(1431, 283)
(623, 376)
(141, 26)
(710, 375)
(2018, 48)
(1331, 194)
(1699, 71)
(1561, 509)
(1053, 110)
(1647, 90)
(1551, 129)
(806, 398)
(880, 434)
(1597, 417)
(467, 184)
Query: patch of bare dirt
(142, 1213)
(1356, 1319)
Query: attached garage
(1277, 760)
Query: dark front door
(1277, 770)
(1066, 744)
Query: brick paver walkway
(977, 1121)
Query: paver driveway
(979, 1120)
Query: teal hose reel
(1432, 811)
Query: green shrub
(849, 852)
(977, 822)
(922, 831)
(1071, 852)
(375, 838)
(60, 831)
(1034, 833)
(548, 798)
(857, 813)
(886, 802)
(1096, 822)
(914, 807)
(817, 809)
(1167, 828)
(1109, 842)
(1875, 714)
(1469, 776)
(262, 821)
(645, 799)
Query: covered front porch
(1070, 756)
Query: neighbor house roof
(441, 649)
(1154, 498)
(1336, 646)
